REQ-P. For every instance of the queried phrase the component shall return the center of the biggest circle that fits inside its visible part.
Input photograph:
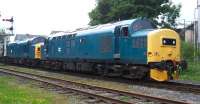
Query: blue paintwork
(72, 48)
(131, 54)
(24, 49)
(64, 48)
(10, 49)
(18, 49)
(86, 44)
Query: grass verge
(13, 93)
(192, 73)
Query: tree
(115, 10)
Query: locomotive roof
(27, 40)
(109, 27)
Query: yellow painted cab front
(163, 53)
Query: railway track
(170, 85)
(99, 93)
(174, 85)
(180, 86)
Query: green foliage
(115, 10)
(188, 51)
(170, 13)
(193, 71)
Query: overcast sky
(188, 8)
(42, 16)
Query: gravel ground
(176, 95)
(187, 97)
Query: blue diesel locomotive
(130, 48)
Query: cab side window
(124, 31)
(117, 31)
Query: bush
(193, 70)
(188, 51)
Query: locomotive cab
(37, 45)
(147, 51)
(163, 54)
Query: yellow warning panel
(159, 75)
(157, 51)
(37, 51)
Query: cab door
(116, 42)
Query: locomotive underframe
(104, 68)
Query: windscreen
(167, 41)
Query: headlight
(164, 41)
(174, 42)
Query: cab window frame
(124, 29)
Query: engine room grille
(106, 44)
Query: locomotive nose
(164, 46)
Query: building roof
(22, 37)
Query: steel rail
(170, 85)
(59, 83)
(195, 88)
(176, 86)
